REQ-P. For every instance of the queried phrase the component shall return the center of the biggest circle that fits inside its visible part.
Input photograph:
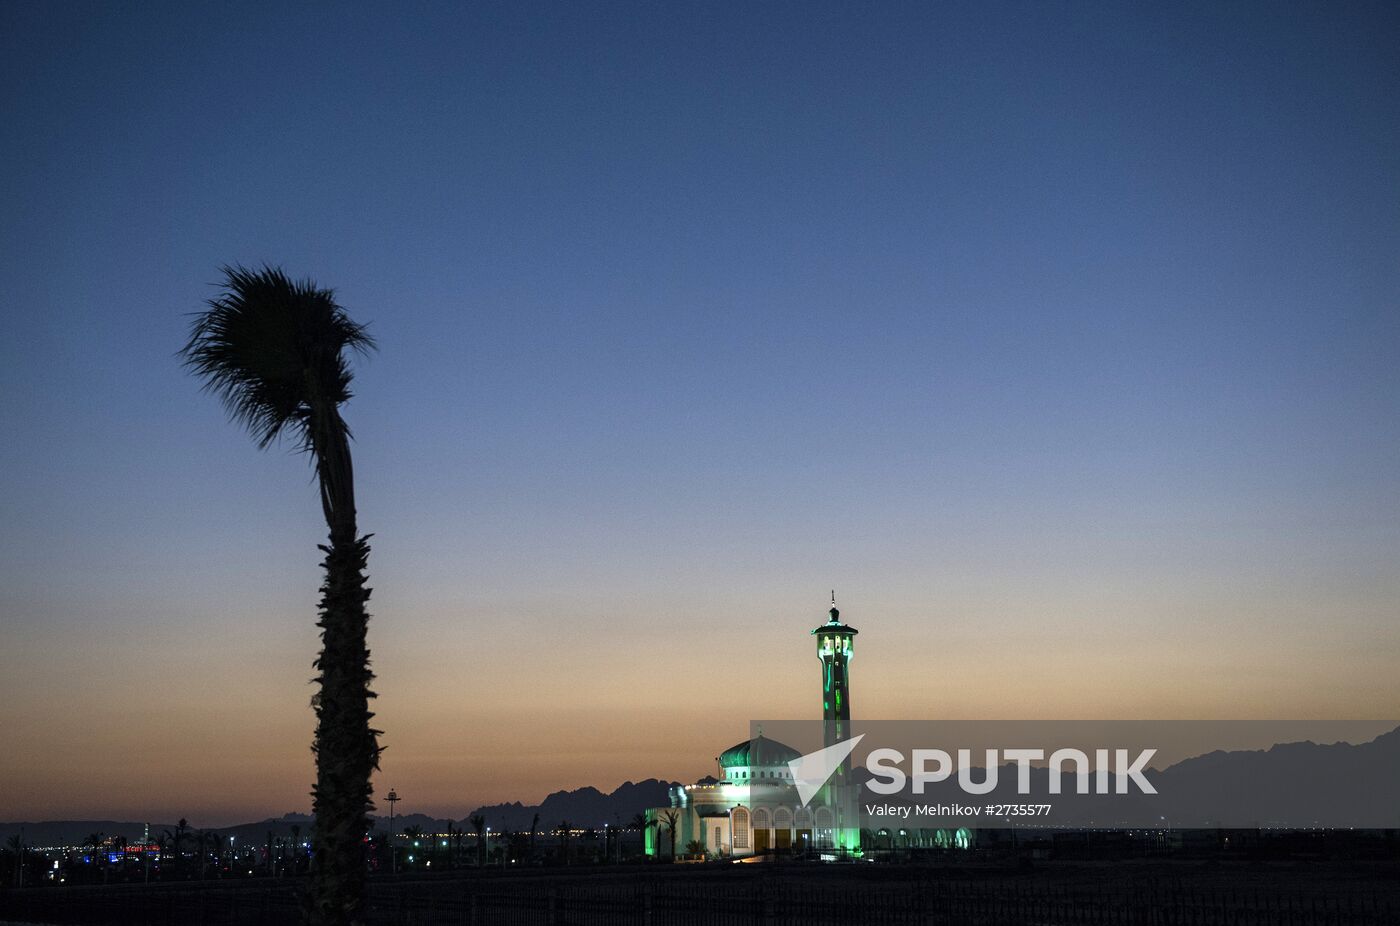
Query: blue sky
(1061, 339)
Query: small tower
(834, 648)
(835, 645)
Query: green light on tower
(834, 648)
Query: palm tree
(454, 843)
(174, 840)
(478, 823)
(274, 351)
(534, 828)
(296, 849)
(118, 846)
(17, 845)
(95, 841)
(672, 817)
(566, 830)
(641, 824)
(208, 844)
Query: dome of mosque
(758, 751)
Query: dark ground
(1152, 893)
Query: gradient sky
(1061, 339)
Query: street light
(393, 798)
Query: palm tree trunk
(346, 747)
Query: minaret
(834, 649)
(835, 643)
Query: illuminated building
(835, 647)
(753, 807)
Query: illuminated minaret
(835, 643)
(834, 646)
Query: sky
(1061, 340)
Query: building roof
(758, 751)
(834, 625)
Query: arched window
(760, 819)
(782, 819)
(739, 827)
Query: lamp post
(393, 798)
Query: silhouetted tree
(478, 823)
(174, 842)
(17, 845)
(565, 830)
(296, 848)
(454, 843)
(94, 842)
(534, 828)
(641, 824)
(518, 846)
(274, 351)
(672, 817)
(208, 845)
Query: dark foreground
(1152, 893)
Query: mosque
(753, 808)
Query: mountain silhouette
(583, 807)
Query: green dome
(757, 751)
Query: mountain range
(1301, 784)
(583, 808)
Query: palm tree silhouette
(672, 817)
(296, 848)
(565, 829)
(98, 859)
(18, 846)
(174, 841)
(208, 844)
(478, 823)
(454, 842)
(274, 351)
(641, 824)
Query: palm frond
(271, 348)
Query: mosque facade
(752, 808)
